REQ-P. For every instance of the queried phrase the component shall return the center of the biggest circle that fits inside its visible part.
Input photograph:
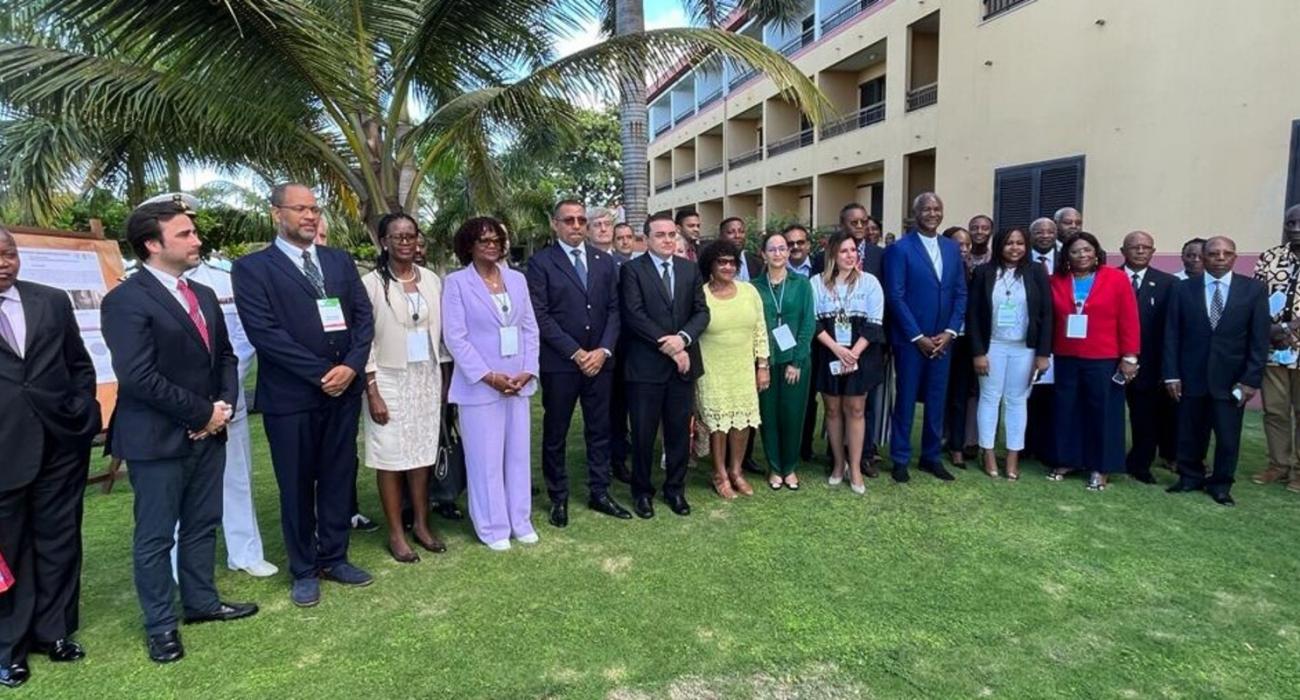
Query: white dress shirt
(931, 244)
(171, 283)
(1181, 274)
(568, 253)
(12, 308)
(805, 268)
(295, 254)
(1141, 275)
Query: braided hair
(381, 262)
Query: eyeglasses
(493, 242)
(407, 239)
(794, 244)
(300, 208)
(725, 262)
(858, 222)
(778, 249)
(573, 220)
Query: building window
(1023, 193)
(993, 8)
(1293, 172)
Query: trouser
(1153, 423)
(651, 405)
(1197, 416)
(1281, 394)
(560, 392)
(618, 433)
(1089, 415)
(924, 379)
(961, 378)
(1040, 429)
(497, 467)
(40, 539)
(315, 458)
(168, 493)
(782, 407)
(1011, 366)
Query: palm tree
(364, 97)
(628, 20)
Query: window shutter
(1013, 198)
(1060, 186)
(1023, 193)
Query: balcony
(711, 97)
(710, 171)
(792, 142)
(741, 78)
(873, 114)
(845, 13)
(686, 179)
(745, 158)
(687, 111)
(993, 8)
(924, 96)
(797, 43)
(663, 187)
(661, 128)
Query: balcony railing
(923, 96)
(866, 116)
(686, 179)
(710, 171)
(745, 158)
(845, 13)
(789, 143)
(798, 42)
(661, 128)
(663, 187)
(740, 78)
(993, 8)
(685, 112)
(711, 97)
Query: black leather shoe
(608, 506)
(678, 505)
(1223, 498)
(644, 507)
(61, 650)
(899, 474)
(937, 470)
(449, 511)
(620, 472)
(14, 675)
(560, 513)
(1183, 486)
(166, 647)
(1145, 477)
(225, 612)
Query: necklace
(415, 275)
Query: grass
(976, 588)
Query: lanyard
(1079, 301)
(841, 316)
(780, 302)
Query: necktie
(580, 267)
(668, 281)
(1216, 305)
(313, 274)
(7, 331)
(1043, 260)
(192, 303)
(1137, 284)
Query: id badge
(1076, 326)
(417, 346)
(836, 368)
(1008, 314)
(1285, 356)
(844, 334)
(509, 341)
(783, 337)
(331, 315)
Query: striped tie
(1216, 305)
(313, 274)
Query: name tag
(783, 337)
(1076, 326)
(1285, 356)
(417, 346)
(331, 315)
(509, 341)
(1008, 314)
(836, 368)
(844, 334)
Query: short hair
(1194, 241)
(277, 192)
(468, 234)
(659, 216)
(952, 231)
(978, 217)
(723, 226)
(762, 246)
(1056, 218)
(1063, 258)
(682, 216)
(850, 207)
(920, 198)
(719, 248)
(624, 224)
(555, 211)
(598, 213)
(145, 224)
(1040, 221)
(1000, 240)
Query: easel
(113, 269)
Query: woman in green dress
(788, 311)
(733, 350)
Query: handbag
(447, 482)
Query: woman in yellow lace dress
(734, 352)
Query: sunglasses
(573, 220)
(489, 242)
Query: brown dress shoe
(1273, 474)
(1294, 484)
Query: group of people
(652, 333)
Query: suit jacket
(278, 308)
(167, 379)
(471, 327)
(569, 316)
(1153, 305)
(920, 302)
(754, 264)
(648, 315)
(393, 318)
(1212, 361)
(981, 306)
(1111, 309)
(52, 387)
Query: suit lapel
(33, 315)
(562, 260)
(290, 270)
(920, 253)
(479, 289)
(1199, 291)
(681, 284)
(163, 298)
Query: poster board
(86, 266)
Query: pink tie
(192, 303)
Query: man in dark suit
(48, 415)
(177, 384)
(1216, 344)
(305, 311)
(750, 264)
(1152, 414)
(574, 289)
(663, 313)
(925, 292)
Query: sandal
(775, 483)
(723, 487)
(792, 482)
(739, 484)
(1096, 482)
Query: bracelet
(372, 382)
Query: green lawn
(976, 588)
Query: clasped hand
(337, 380)
(507, 384)
(222, 413)
(590, 362)
(934, 346)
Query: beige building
(1181, 117)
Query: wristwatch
(1131, 359)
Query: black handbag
(447, 482)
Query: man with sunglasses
(306, 312)
(574, 290)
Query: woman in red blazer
(1096, 344)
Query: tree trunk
(135, 177)
(173, 173)
(629, 18)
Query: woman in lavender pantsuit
(490, 331)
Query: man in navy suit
(305, 311)
(925, 292)
(1216, 344)
(574, 289)
(1152, 415)
(177, 383)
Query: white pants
(238, 519)
(1011, 366)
